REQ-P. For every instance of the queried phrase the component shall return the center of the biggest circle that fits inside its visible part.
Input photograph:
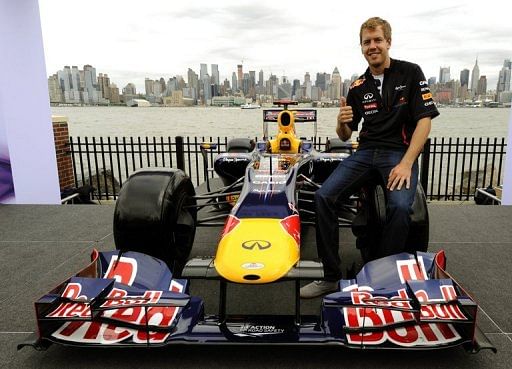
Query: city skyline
(131, 42)
(74, 86)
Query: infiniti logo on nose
(368, 96)
(260, 244)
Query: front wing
(131, 299)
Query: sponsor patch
(370, 106)
(400, 88)
(426, 96)
(423, 83)
(357, 82)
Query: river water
(235, 122)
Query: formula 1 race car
(139, 294)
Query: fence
(450, 169)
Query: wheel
(417, 239)
(155, 214)
(369, 221)
(240, 145)
(371, 218)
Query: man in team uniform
(394, 103)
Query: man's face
(375, 47)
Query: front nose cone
(257, 250)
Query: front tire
(155, 214)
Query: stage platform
(40, 246)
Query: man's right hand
(345, 115)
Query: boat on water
(250, 106)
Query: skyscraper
(475, 76)
(260, 78)
(192, 79)
(104, 84)
(54, 89)
(239, 68)
(335, 84)
(321, 81)
(205, 86)
(444, 74)
(307, 78)
(215, 74)
(203, 71)
(482, 86)
(148, 86)
(91, 95)
(234, 82)
(464, 77)
(504, 77)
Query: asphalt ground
(40, 246)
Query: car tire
(336, 145)
(371, 219)
(243, 145)
(155, 215)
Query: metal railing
(450, 169)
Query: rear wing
(300, 116)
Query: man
(394, 102)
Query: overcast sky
(130, 40)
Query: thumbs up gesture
(345, 115)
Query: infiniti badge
(260, 244)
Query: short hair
(372, 24)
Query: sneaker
(317, 288)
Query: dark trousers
(343, 182)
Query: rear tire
(370, 221)
(152, 216)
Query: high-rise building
(205, 87)
(482, 86)
(475, 76)
(295, 87)
(75, 79)
(307, 78)
(444, 75)
(504, 77)
(234, 82)
(464, 77)
(203, 71)
(66, 78)
(321, 82)
(91, 95)
(252, 84)
(129, 90)
(215, 74)
(114, 94)
(284, 91)
(192, 79)
(240, 75)
(104, 85)
(54, 89)
(335, 89)
(260, 78)
(245, 83)
(148, 85)
(432, 81)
